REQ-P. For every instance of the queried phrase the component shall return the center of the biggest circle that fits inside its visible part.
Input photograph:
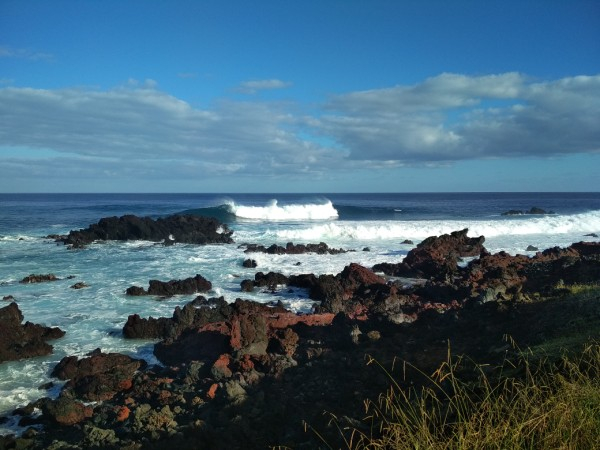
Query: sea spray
(273, 211)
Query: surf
(577, 224)
(273, 211)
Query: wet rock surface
(187, 286)
(293, 249)
(99, 376)
(18, 340)
(40, 278)
(179, 228)
(533, 210)
(250, 375)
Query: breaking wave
(273, 211)
(420, 229)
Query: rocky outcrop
(436, 257)
(194, 314)
(99, 376)
(533, 210)
(246, 329)
(293, 249)
(504, 277)
(18, 341)
(187, 286)
(65, 411)
(271, 281)
(249, 263)
(33, 278)
(185, 229)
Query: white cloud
(253, 86)
(453, 117)
(155, 132)
(138, 132)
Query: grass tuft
(526, 403)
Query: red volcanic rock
(354, 275)
(505, 277)
(436, 257)
(123, 413)
(284, 342)
(99, 376)
(212, 391)
(341, 293)
(66, 411)
(18, 341)
(220, 369)
(247, 329)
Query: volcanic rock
(99, 376)
(174, 287)
(293, 249)
(249, 263)
(190, 316)
(533, 210)
(246, 330)
(436, 257)
(19, 341)
(178, 228)
(33, 278)
(66, 411)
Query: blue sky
(299, 96)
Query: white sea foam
(274, 211)
(376, 230)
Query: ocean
(372, 226)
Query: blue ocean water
(93, 317)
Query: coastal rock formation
(193, 315)
(249, 263)
(436, 257)
(293, 249)
(505, 277)
(99, 376)
(187, 286)
(247, 329)
(33, 278)
(533, 210)
(18, 341)
(185, 229)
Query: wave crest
(420, 229)
(275, 212)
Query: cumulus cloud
(137, 131)
(453, 117)
(139, 124)
(253, 86)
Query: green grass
(540, 405)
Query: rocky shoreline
(253, 375)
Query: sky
(299, 96)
